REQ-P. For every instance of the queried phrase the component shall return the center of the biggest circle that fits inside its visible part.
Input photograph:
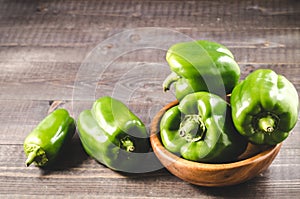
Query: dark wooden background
(44, 43)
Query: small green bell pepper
(113, 135)
(43, 145)
(200, 128)
(265, 107)
(201, 66)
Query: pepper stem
(31, 157)
(192, 128)
(127, 144)
(173, 77)
(267, 124)
(35, 154)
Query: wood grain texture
(44, 43)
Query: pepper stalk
(192, 128)
(173, 77)
(268, 124)
(127, 144)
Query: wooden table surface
(74, 51)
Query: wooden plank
(244, 37)
(170, 9)
(36, 81)
(76, 24)
(74, 157)
(19, 117)
(68, 178)
(244, 45)
(67, 81)
(44, 54)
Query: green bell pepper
(265, 107)
(200, 128)
(113, 135)
(201, 66)
(43, 145)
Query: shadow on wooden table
(243, 189)
(72, 156)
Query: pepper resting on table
(265, 107)
(201, 66)
(200, 128)
(113, 135)
(43, 145)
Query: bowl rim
(157, 145)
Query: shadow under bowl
(252, 162)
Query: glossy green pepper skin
(43, 145)
(265, 107)
(201, 66)
(113, 135)
(200, 128)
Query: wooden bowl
(251, 163)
